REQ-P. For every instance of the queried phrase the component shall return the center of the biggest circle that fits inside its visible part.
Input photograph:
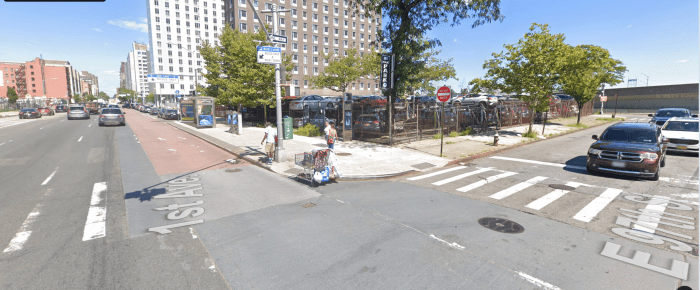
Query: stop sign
(444, 94)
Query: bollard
(495, 139)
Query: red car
(373, 101)
(47, 111)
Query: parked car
(61, 109)
(662, 115)
(628, 148)
(484, 100)
(29, 113)
(564, 97)
(373, 101)
(311, 102)
(154, 111)
(170, 114)
(77, 112)
(682, 134)
(113, 116)
(369, 123)
(48, 111)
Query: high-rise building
(122, 75)
(49, 79)
(93, 87)
(137, 70)
(313, 28)
(176, 28)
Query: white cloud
(97, 29)
(455, 40)
(133, 25)
(682, 61)
(111, 72)
(628, 26)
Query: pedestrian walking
(271, 139)
(332, 136)
(327, 129)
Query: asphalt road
(179, 217)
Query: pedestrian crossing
(13, 121)
(458, 174)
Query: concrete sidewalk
(364, 160)
(9, 114)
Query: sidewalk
(364, 160)
(9, 114)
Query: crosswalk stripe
(95, 224)
(485, 181)
(656, 204)
(541, 202)
(458, 177)
(587, 213)
(518, 187)
(436, 173)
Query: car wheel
(663, 161)
(100, 124)
(656, 176)
(591, 171)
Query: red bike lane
(173, 151)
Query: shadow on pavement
(148, 193)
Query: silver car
(78, 112)
(111, 116)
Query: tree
(234, 74)
(343, 71)
(130, 93)
(103, 95)
(587, 67)
(409, 20)
(12, 95)
(529, 69)
(150, 98)
(76, 99)
(434, 70)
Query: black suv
(635, 149)
(61, 109)
(662, 115)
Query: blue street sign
(177, 92)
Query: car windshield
(670, 113)
(629, 135)
(76, 108)
(172, 111)
(682, 126)
(111, 111)
(367, 118)
(27, 110)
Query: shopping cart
(312, 162)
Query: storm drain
(233, 170)
(343, 154)
(501, 225)
(562, 187)
(308, 205)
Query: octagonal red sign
(444, 94)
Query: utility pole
(647, 79)
(280, 152)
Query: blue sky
(649, 37)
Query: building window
(242, 15)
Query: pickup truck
(92, 107)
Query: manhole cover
(308, 205)
(424, 165)
(343, 154)
(562, 187)
(233, 170)
(501, 225)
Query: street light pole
(647, 79)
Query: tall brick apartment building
(54, 79)
(312, 28)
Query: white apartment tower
(137, 69)
(176, 29)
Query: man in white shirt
(271, 138)
(327, 129)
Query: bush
(467, 131)
(531, 134)
(437, 136)
(308, 130)
(580, 126)
(454, 134)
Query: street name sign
(444, 94)
(168, 79)
(385, 78)
(278, 38)
(603, 98)
(269, 55)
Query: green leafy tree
(76, 99)
(408, 22)
(130, 93)
(103, 95)
(233, 73)
(12, 95)
(342, 71)
(434, 70)
(150, 98)
(587, 67)
(529, 68)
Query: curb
(492, 152)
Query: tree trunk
(265, 112)
(578, 120)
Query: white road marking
(89, 125)
(3, 143)
(516, 188)
(41, 128)
(452, 245)
(172, 149)
(538, 162)
(61, 121)
(182, 138)
(599, 203)
(538, 282)
(458, 177)
(192, 232)
(485, 181)
(81, 138)
(541, 202)
(23, 233)
(50, 176)
(95, 225)
(657, 204)
(161, 139)
(432, 174)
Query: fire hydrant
(495, 139)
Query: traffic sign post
(269, 55)
(277, 38)
(603, 99)
(443, 95)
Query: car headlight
(594, 151)
(650, 156)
